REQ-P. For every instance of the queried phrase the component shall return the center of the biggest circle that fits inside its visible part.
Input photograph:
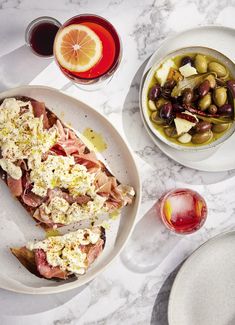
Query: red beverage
(110, 55)
(183, 211)
(40, 35)
(42, 38)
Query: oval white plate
(17, 227)
(221, 39)
(204, 289)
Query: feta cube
(187, 70)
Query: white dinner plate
(203, 292)
(17, 226)
(221, 39)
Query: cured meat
(47, 271)
(31, 199)
(40, 109)
(15, 186)
(82, 199)
(94, 251)
(88, 159)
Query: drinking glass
(103, 70)
(178, 212)
(40, 35)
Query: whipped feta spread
(60, 211)
(60, 171)
(65, 251)
(22, 136)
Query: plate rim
(72, 285)
(185, 264)
(156, 141)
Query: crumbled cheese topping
(60, 171)
(22, 135)
(92, 209)
(65, 251)
(11, 169)
(60, 211)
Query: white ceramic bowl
(144, 97)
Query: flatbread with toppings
(50, 170)
(61, 257)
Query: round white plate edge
(162, 146)
(185, 264)
(138, 197)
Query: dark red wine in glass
(40, 35)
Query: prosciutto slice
(82, 199)
(89, 160)
(47, 271)
(15, 186)
(93, 251)
(40, 109)
(31, 199)
(68, 147)
(44, 219)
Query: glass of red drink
(85, 37)
(183, 210)
(40, 35)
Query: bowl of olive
(188, 98)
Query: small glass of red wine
(183, 211)
(40, 35)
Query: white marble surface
(124, 293)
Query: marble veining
(124, 293)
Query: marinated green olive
(218, 68)
(199, 138)
(211, 80)
(156, 119)
(212, 109)
(220, 96)
(205, 102)
(218, 128)
(160, 102)
(171, 132)
(200, 63)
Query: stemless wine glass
(77, 42)
(178, 212)
(40, 35)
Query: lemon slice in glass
(77, 48)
